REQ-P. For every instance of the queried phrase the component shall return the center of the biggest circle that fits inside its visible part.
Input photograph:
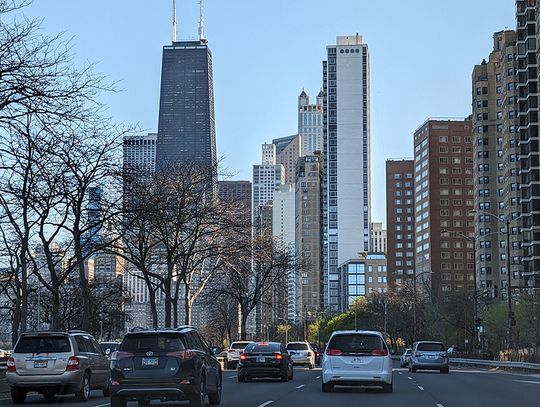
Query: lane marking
(103, 405)
(409, 377)
(265, 404)
(421, 388)
(318, 377)
(527, 381)
(299, 387)
(439, 405)
(231, 377)
(400, 372)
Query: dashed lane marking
(267, 403)
(102, 405)
(409, 377)
(439, 405)
(318, 377)
(231, 377)
(421, 388)
(299, 387)
(527, 381)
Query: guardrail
(495, 363)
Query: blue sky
(265, 52)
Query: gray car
(52, 363)
(429, 355)
(406, 357)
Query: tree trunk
(16, 322)
(188, 305)
(168, 303)
(55, 313)
(243, 325)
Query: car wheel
(388, 388)
(50, 396)
(118, 402)
(215, 398)
(18, 396)
(412, 370)
(285, 378)
(241, 379)
(445, 370)
(84, 394)
(312, 366)
(106, 390)
(198, 399)
(327, 387)
(291, 377)
(230, 365)
(143, 403)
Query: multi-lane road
(460, 388)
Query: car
(356, 358)
(429, 355)
(301, 353)
(317, 351)
(234, 351)
(165, 364)
(109, 347)
(454, 351)
(52, 363)
(405, 357)
(265, 359)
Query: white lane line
(103, 405)
(231, 377)
(409, 377)
(265, 404)
(421, 388)
(439, 405)
(400, 372)
(527, 381)
(299, 387)
(318, 377)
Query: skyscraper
(287, 150)
(139, 155)
(310, 123)
(267, 176)
(347, 185)
(378, 238)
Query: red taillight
(184, 354)
(279, 356)
(243, 356)
(115, 383)
(118, 355)
(11, 365)
(379, 352)
(334, 352)
(72, 364)
(309, 354)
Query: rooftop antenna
(174, 21)
(201, 21)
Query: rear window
(239, 345)
(43, 344)
(430, 346)
(154, 342)
(356, 343)
(297, 346)
(258, 347)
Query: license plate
(261, 359)
(150, 361)
(357, 360)
(432, 357)
(40, 365)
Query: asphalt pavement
(461, 388)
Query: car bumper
(260, 372)
(163, 392)
(303, 361)
(68, 381)
(355, 379)
(435, 365)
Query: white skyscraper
(310, 123)
(267, 176)
(347, 194)
(140, 154)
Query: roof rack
(180, 328)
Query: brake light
(334, 352)
(309, 354)
(11, 365)
(72, 364)
(243, 356)
(183, 354)
(379, 352)
(279, 356)
(119, 355)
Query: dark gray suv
(54, 363)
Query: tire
(388, 388)
(291, 377)
(50, 396)
(285, 378)
(326, 387)
(106, 390)
(215, 398)
(241, 379)
(445, 370)
(18, 396)
(84, 394)
(413, 370)
(118, 402)
(229, 365)
(143, 403)
(199, 398)
(312, 366)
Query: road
(460, 388)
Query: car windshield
(430, 346)
(297, 346)
(156, 342)
(239, 345)
(260, 347)
(356, 343)
(43, 344)
(408, 352)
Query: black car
(265, 359)
(167, 365)
(317, 352)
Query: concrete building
(239, 192)
(496, 165)
(378, 238)
(444, 198)
(362, 277)
(309, 232)
(347, 178)
(288, 150)
(139, 154)
(400, 221)
(267, 177)
(310, 123)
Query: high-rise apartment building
(346, 142)
(239, 192)
(378, 238)
(310, 123)
(186, 128)
(400, 221)
(309, 232)
(266, 178)
(444, 199)
(496, 164)
(288, 150)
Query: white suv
(234, 351)
(357, 358)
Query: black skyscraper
(186, 128)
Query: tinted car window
(430, 346)
(356, 343)
(43, 344)
(84, 345)
(238, 345)
(297, 346)
(256, 347)
(156, 342)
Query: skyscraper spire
(201, 20)
(174, 21)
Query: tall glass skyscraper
(186, 128)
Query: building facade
(346, 143)
(444, 199)
(288, 150)
(310, 123)
(139, 154)
(400, 256)
(378, 241)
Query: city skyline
(391, 138)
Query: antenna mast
(174, 21)
(201, 21)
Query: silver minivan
(52, 363)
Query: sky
(266, 51)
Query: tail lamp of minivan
(11, 365)
(334, 352)
(379, 352)
(72, 364)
